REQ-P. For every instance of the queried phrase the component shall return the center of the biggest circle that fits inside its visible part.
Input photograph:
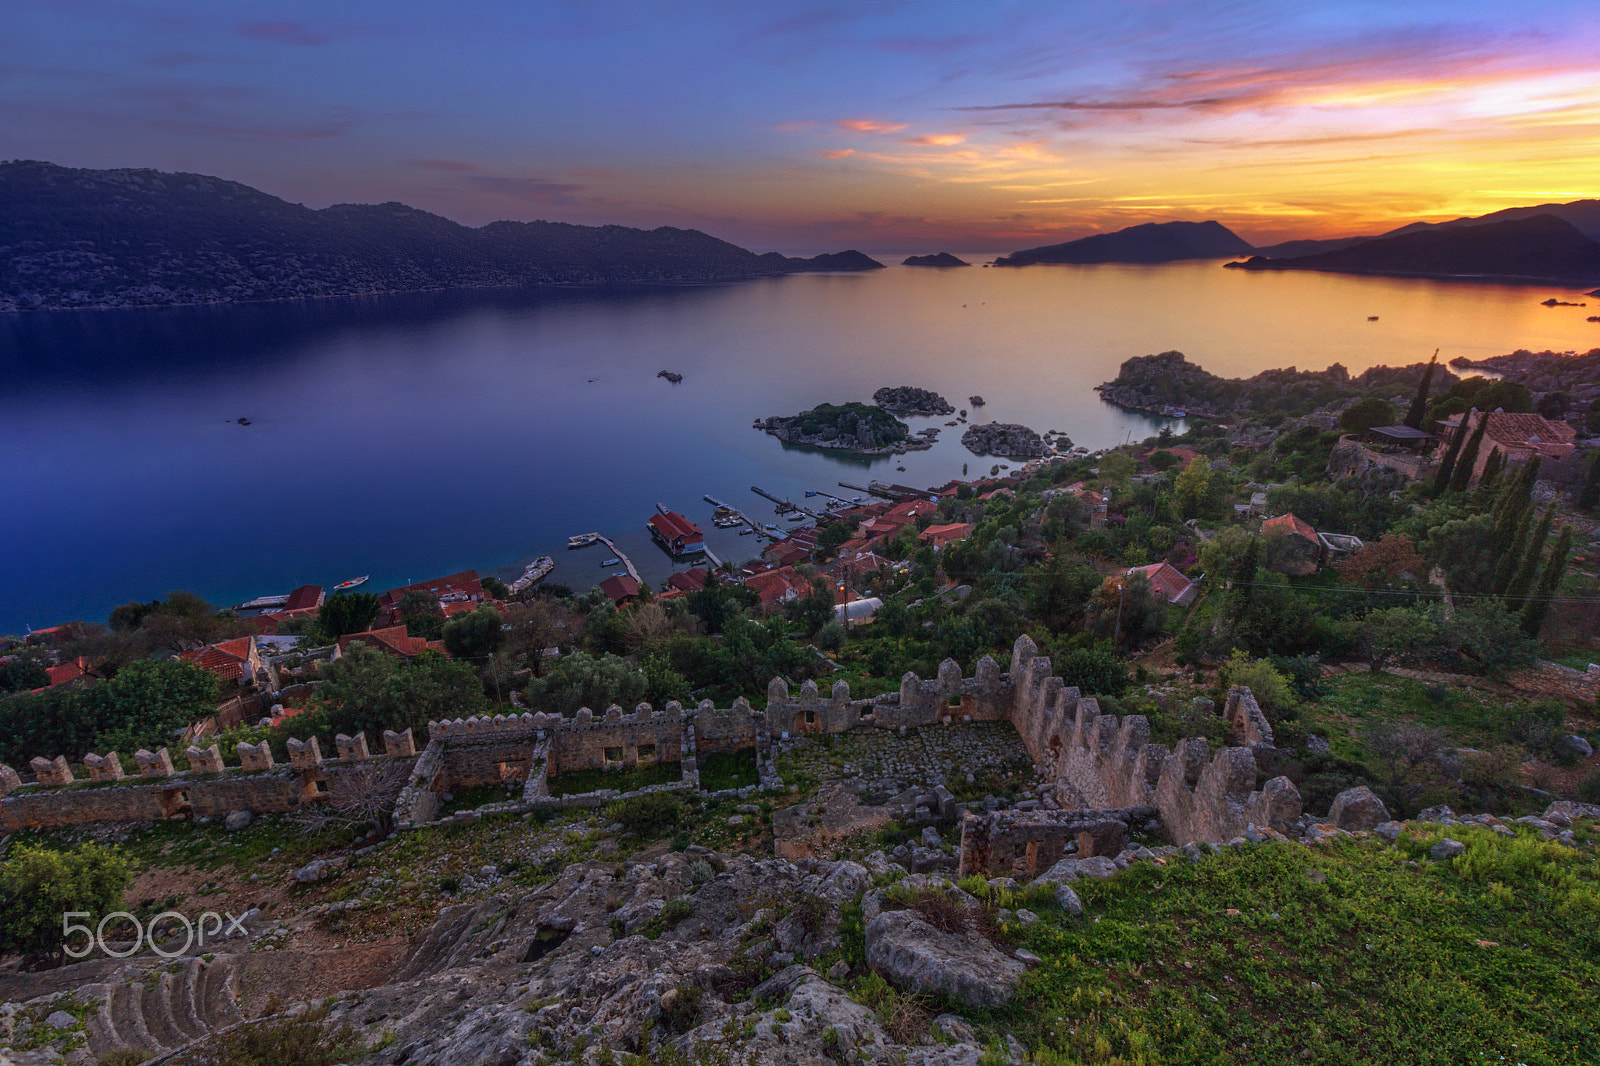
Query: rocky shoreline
(1544, 372)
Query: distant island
(941, 259)
(1153, 242)
(138, 238)
(852, 427)
(910, 400)
(1540, 247)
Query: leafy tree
(1555, 405)
(1163, 461)
(38, 885)
(1512, 397)
(1366, 414)
(1058, 591)
(1116, 467)
(1464, 549)
(1493, 467)
(1388, 559)
(832, 636)
(1534, 612)
(831, 535)
(366, 689)
(348, 612)
(146, 702)
(22, 675)
(1511, 558)
(475, 636)
(131, 615)
(1265, 682)
(417, 602)
(813, 610)
(1190, 489)
(584, 680)
(1393, 633)
(1419, 402)
(1481, 638)
(496, 588)
(1093, 671)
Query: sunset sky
(916, 125)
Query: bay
(412, 435)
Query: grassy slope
(1356, 953)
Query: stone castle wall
(1098, 763)
(1562, 682)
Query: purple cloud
(531, 190)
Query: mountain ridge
(1150, 242)
(76, 238)
(1536, 248)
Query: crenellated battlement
(1098, 762)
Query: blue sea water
(409, 436)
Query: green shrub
(680, 1011)
(305, 1040)
(647, 813)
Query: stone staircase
(164, 1009)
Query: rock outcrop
(1004, 439)
(852, 427)
(919, 958)
(940, 259)
(910, 400)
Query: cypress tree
(1462, 475)
(1515, 498)
(1523, 580)
(1533, 613)
(1512, 556)
(1491, 473)
(1441, 480)
(1589, 495)
(1419, 402)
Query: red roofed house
(912, 509)
(235, 660)
(306, 597)
(465, 587)
(620, 588)
(73, 670)
(1168, 582)
(777, 586)
(1295, 547)
(676, 533)
(689, 580)
(1518, 437)
(941, 537)
(783, 554)
(392, 640)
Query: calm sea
(411, 436)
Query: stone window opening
(647, 753)
(613, 755)
(175, 803)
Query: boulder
(919, 958)
(239, 820)
(1446, 849)
(315, 870)
(1440, 813)
(1069, 870)
(1574, 746)
(1356, 809)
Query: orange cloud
(837, 153)
(867, 125)
(937, 140)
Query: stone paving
(927, 756)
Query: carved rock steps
(159, 1011)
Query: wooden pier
(785, 506)
(633, 571)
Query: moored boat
(582, 540)
(344, 586)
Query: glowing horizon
(896, 126)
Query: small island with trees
(939, 259)
(852, 427)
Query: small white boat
(352, 583)
(611, 562)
